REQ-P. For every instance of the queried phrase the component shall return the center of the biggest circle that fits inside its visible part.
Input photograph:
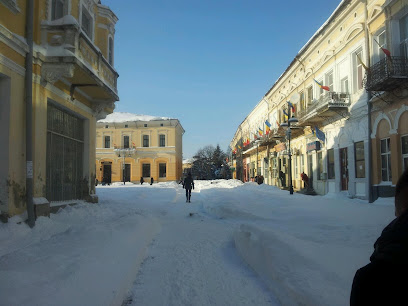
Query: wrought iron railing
(386, 74)
(329, 100)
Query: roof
(118, 117)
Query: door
(344, 169)
(310, 169)
(127, 172)
(107, 174)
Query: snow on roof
(117, 117)
(188, 160)
(66, 20)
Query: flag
(320, 135)
(361, 62)
(255, 136)
(260, 132)
(291, 105)
(322, 86)
(133, 144)
(277, 123)
(268, 127)
(286, 114)
(386, 52)
(239, 147)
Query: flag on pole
(386, 52)
(268, 127)
(291, 105)
(361, 62)
(260, 132)
(322, 86)
(286, 114)
(320, 135)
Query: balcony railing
(325, 106)
(387, 74)
(69, 54)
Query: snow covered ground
(234, 244)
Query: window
(57, 9)
(110, 51)
(146, 170)
(386, 160)
(106, 126)
(126, 125)
(310, 95)
(319, 165)
(302, 101)
(86, 22)
(329, 80)
(162, 142)
(330, 164)
(360, 160)
(145, 125)
(358, 71)
(107, 141)
(126, 142)
(162, 170)
(404, 151)
(382, 43)
(145, 141)
(404, 36)
(302, 163)
(344, 85)
(295, 160)
(161, 124)
(321, 90)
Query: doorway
(127, 173)
(344, 169)
(107, 174)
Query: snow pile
(119, 117)
(65, 20)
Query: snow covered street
(234, 244)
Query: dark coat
(188, 182)
(384, 280)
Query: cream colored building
(65, 71)
(131, 146)
(335, 57)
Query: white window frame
(388, 166)
(357, 66)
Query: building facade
(131, 147)
(56, 59)
(349, 99)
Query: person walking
(141, 180)
(151, 180)
(383, 281)
(187, 185)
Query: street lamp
(291, 120)
(124, 152)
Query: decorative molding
(54, 72)
(11, 40)
(12, 65)
(401, 110)
(377, 121)
(99, 109)
(11, 5)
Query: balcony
(387, 74)
(68, 55)
(328, 105)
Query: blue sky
(207, 62)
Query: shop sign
(280, 147)
(312, 146)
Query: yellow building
(133, 146)
(63, 68)
(349, 100)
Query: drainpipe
(29, 112)
(369, 107)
